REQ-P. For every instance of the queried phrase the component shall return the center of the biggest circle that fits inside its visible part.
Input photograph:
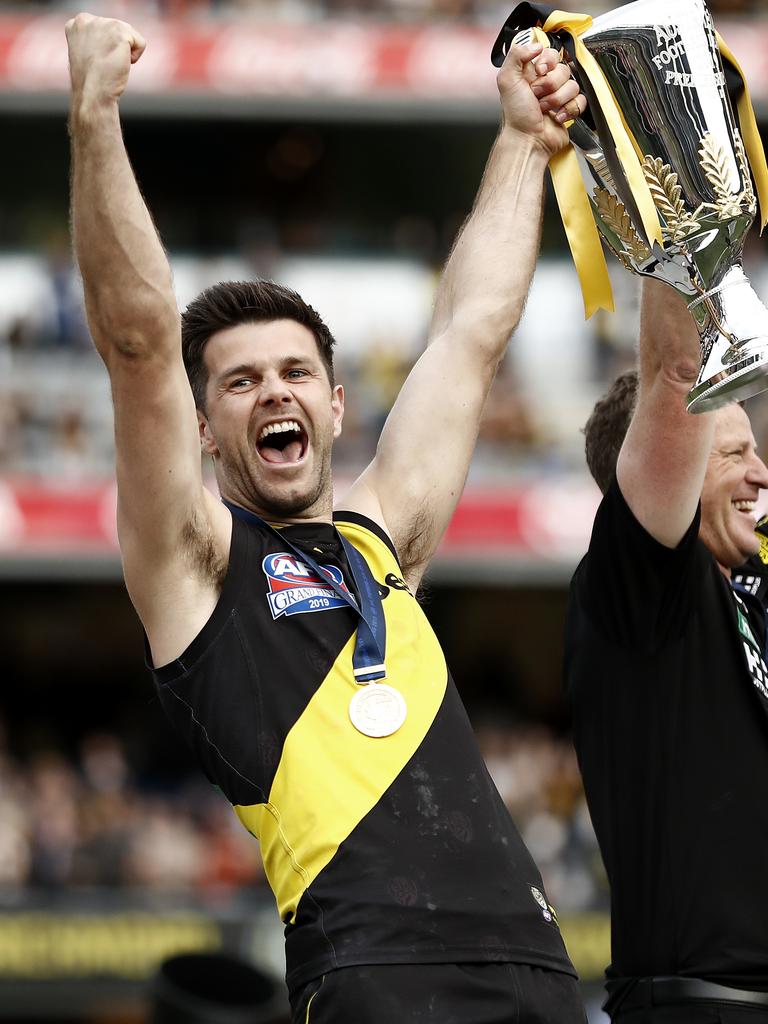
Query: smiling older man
(665, 670)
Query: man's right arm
(165, 515)
(663, 459)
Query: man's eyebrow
(295, 360)
(311, 362)
(730, 444)
(241, 370)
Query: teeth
(745, 506)
(279, 428)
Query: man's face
(734, 478)
(271, 418)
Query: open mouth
(283, 443)
(748, 507)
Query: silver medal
(377, 710)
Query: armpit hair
(414, 541)
(201, 551)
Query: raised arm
(418, 473)
(664, 457)
(163, 511)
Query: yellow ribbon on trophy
(752, 142)
(581, 231)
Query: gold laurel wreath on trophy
(677, 222)
(615, 217)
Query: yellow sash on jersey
(330, 775)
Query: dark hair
(230, 303)
(607, 427)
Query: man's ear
(337, 404)
(207, 442)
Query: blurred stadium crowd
(55, 407)
(87, 822)
(56, 411)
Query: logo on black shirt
(755, 661)
(295, 589)
(547, 910)
(749, 583)
(395, 582)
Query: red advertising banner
(332, 59)
(544, 520)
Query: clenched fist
(101, 51)
(538, 95)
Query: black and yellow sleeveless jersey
(387, 850)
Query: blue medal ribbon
(371, 642)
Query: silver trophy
(662, 64)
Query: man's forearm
(128, 287)
(669, 342)
(663, 460)
(487, 277)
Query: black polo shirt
(665, 672)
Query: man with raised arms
(284, 639)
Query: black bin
(213, 988)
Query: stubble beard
(287, 505)
(281, 502)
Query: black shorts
(483, 993)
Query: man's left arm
(416, 478)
